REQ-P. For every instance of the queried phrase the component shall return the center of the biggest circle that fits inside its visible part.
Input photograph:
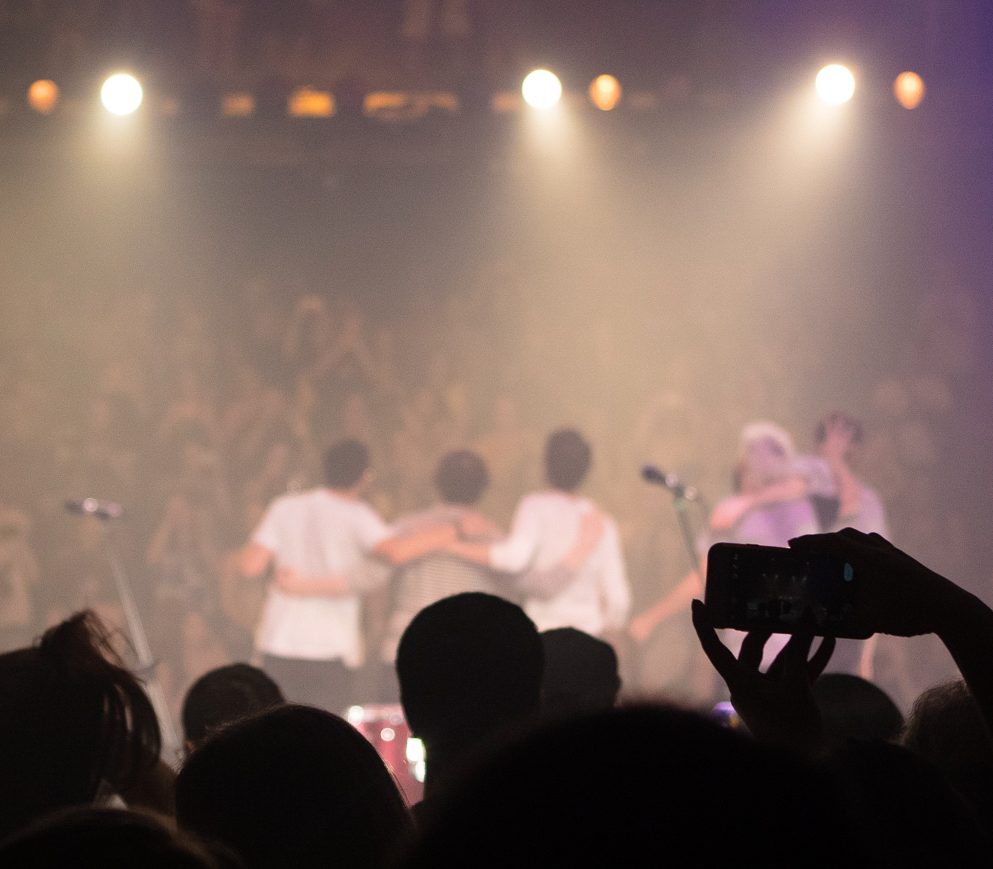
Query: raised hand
(777, 706)
(896, 594)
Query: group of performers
(326, 548)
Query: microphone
(654, 475)
(95, 507)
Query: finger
(719, 655)
(794, 656)
(813, 541)
(816, 665)
(752, 646)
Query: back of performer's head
(581, 673)
(344, 464)
(225, 695)
(567, 459)
(766, 455)
(461, 477)
(632, 787)
(468, 665)
(293, 786)
(72, 719)
(109, 839)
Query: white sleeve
(515, 552)
(370, 529)
(269, 531)
(614, 588)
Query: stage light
(605, 92)
(43, 96)
(835, 84)
(909, 89)
(121, 94)
(541, 89)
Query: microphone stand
(679, 503)
(139, 639)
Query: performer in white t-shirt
(594, 595)
(318, 542)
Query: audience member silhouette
(581, 673)
(910, 813)
(946, 728)
(75, 725)
(639, 787)
(225, 695)
(853, 708)
(470, 668)
(294, 787)
(91, 838)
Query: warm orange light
(909, 89)
(43, 96)
(605, 92)
(306, 102)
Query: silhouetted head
(293, 787)
(567, 459)
(581, 673)
(854, 708)
(345, 463)
(91, 838)
(946, 728)
(73, 722)
(910, 814)
(461, 477)
(225, 695)
(638, 787)
(468, 665)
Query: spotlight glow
(835, 84)
(541, 89)
(121, 94)
(605, 92)
(43, 96)
(909, 89)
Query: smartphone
(780, 590)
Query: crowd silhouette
(529, 759)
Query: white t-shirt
(317, 533)
(544, 530)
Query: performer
(565, 554)
(766, 461)
(460, 480)
(318, 540)
(840, 499)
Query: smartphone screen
(770, 588)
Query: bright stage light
(605, 92)
(909, 89)
(43, 96)
(835, 84)
(121, 94)
(541, 89)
